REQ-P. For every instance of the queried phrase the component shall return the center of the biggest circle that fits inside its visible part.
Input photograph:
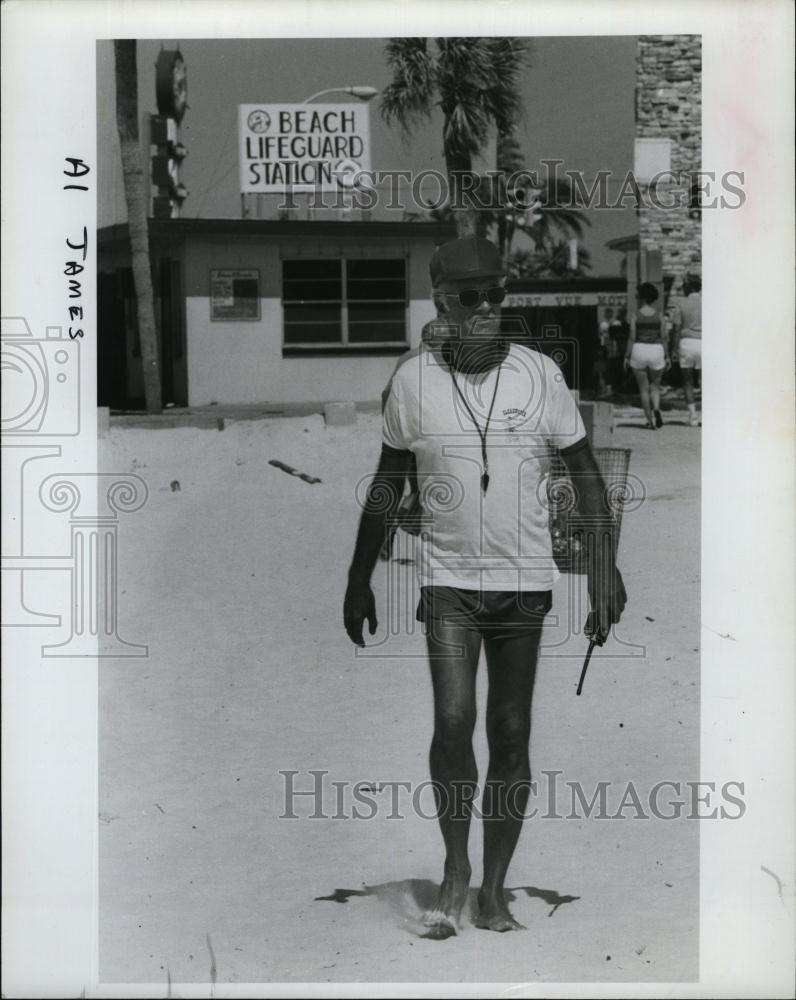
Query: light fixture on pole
(364, 93)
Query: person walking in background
(647, 353)
(687, 339)
(616, 345)
(601, 356)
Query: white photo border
(747, 691)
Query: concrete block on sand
(598, 419)
(340, 414)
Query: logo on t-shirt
(514, 416)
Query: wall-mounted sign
(234, 294)
(651, 156)
(301, 147)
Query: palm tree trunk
(464, 215)
(503, 235)
(136, 198)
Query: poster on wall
(234, 295)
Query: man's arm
(606, 589)
(384, 494)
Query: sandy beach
(233, 574)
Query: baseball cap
(470, 257)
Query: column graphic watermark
(41, 404)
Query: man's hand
(382, 499)
(606, 589)
(608, 600)
(359, 604)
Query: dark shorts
(493, 613)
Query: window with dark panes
(312, 297)
(345, 303)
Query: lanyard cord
(481, 434)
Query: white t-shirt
(499, 540)
(688, 316)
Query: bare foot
(437, 926)
(443, 921)
(494, 915)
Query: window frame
(345, 345)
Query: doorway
(120, 383)
(567, 334)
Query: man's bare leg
(512, 668)
(688, 391)
(453, 657)
(688, 385)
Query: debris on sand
(293, 472)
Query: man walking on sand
(479, 416)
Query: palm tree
(542, 212)
(510, 161)
(554, 223)
(474, 81)
(550, 262)
(136, 198)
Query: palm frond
(478, 81)
(557, 217)
(464, 61)
(502, 98)
(509, 154)
(463, 75)
(407, 98)
(466, 127)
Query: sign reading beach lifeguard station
(302, 147)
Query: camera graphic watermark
(41, 376)
(41, 404)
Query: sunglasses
(470, 297)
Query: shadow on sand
(411, 897)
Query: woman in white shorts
(647, 353)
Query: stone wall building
(669, 107)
